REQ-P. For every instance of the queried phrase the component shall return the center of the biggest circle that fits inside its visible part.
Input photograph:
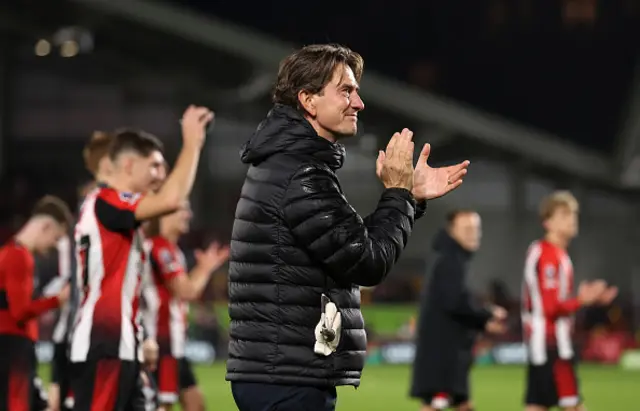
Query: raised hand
(429, 182)
(194, 123)
(213, 257)
(394, 166)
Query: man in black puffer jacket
(295, 236)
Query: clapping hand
(590, 292)
(394, 166)
(213, 257)
(499, 313)
(427, 182)
(608, 295)
(430, 183)
(497, 325)
(494, 326)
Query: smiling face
(333, 112)
(143, 173)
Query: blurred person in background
(299, 251)
(105, 349)
(150, 354)
(548, 306)
(49, 221)
(150, 349)
(449, 320)
(96, 161)
(166, 291)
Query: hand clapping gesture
(394, 166)
(596, 292)
(427, 182)
(213, 257)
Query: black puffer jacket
(294, 236)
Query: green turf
(385, 319)
(384, 388)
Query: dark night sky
(572, 82)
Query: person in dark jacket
(299, 251)
(449, 320)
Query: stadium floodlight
(42, 48)
(73, 40)
(69, 48)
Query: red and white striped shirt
(165, 317)
(55, 286)
(548, 304)
(110, 262)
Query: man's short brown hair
(55, 208)
(454, 214)
(96, 149)
(558, 199)
(137, 141)
(311, 68)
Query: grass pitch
(495, 388)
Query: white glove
(330, 325)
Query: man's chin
(346, 133)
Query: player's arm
(53, 396)
(176, 188)
(64, 268)
(547, 275)
(188, 287)
(21, 307)
(179, 183)
(453, 295)
(350, 250)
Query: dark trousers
(271, 397)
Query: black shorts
(61, 374)
(554, 383)
(107, 384)
(17, 374)
(173, 376)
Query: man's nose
(357, 103)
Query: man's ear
(104, 165)
(545, 224)
(126, 162)
(48, 224)
(307, 102)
